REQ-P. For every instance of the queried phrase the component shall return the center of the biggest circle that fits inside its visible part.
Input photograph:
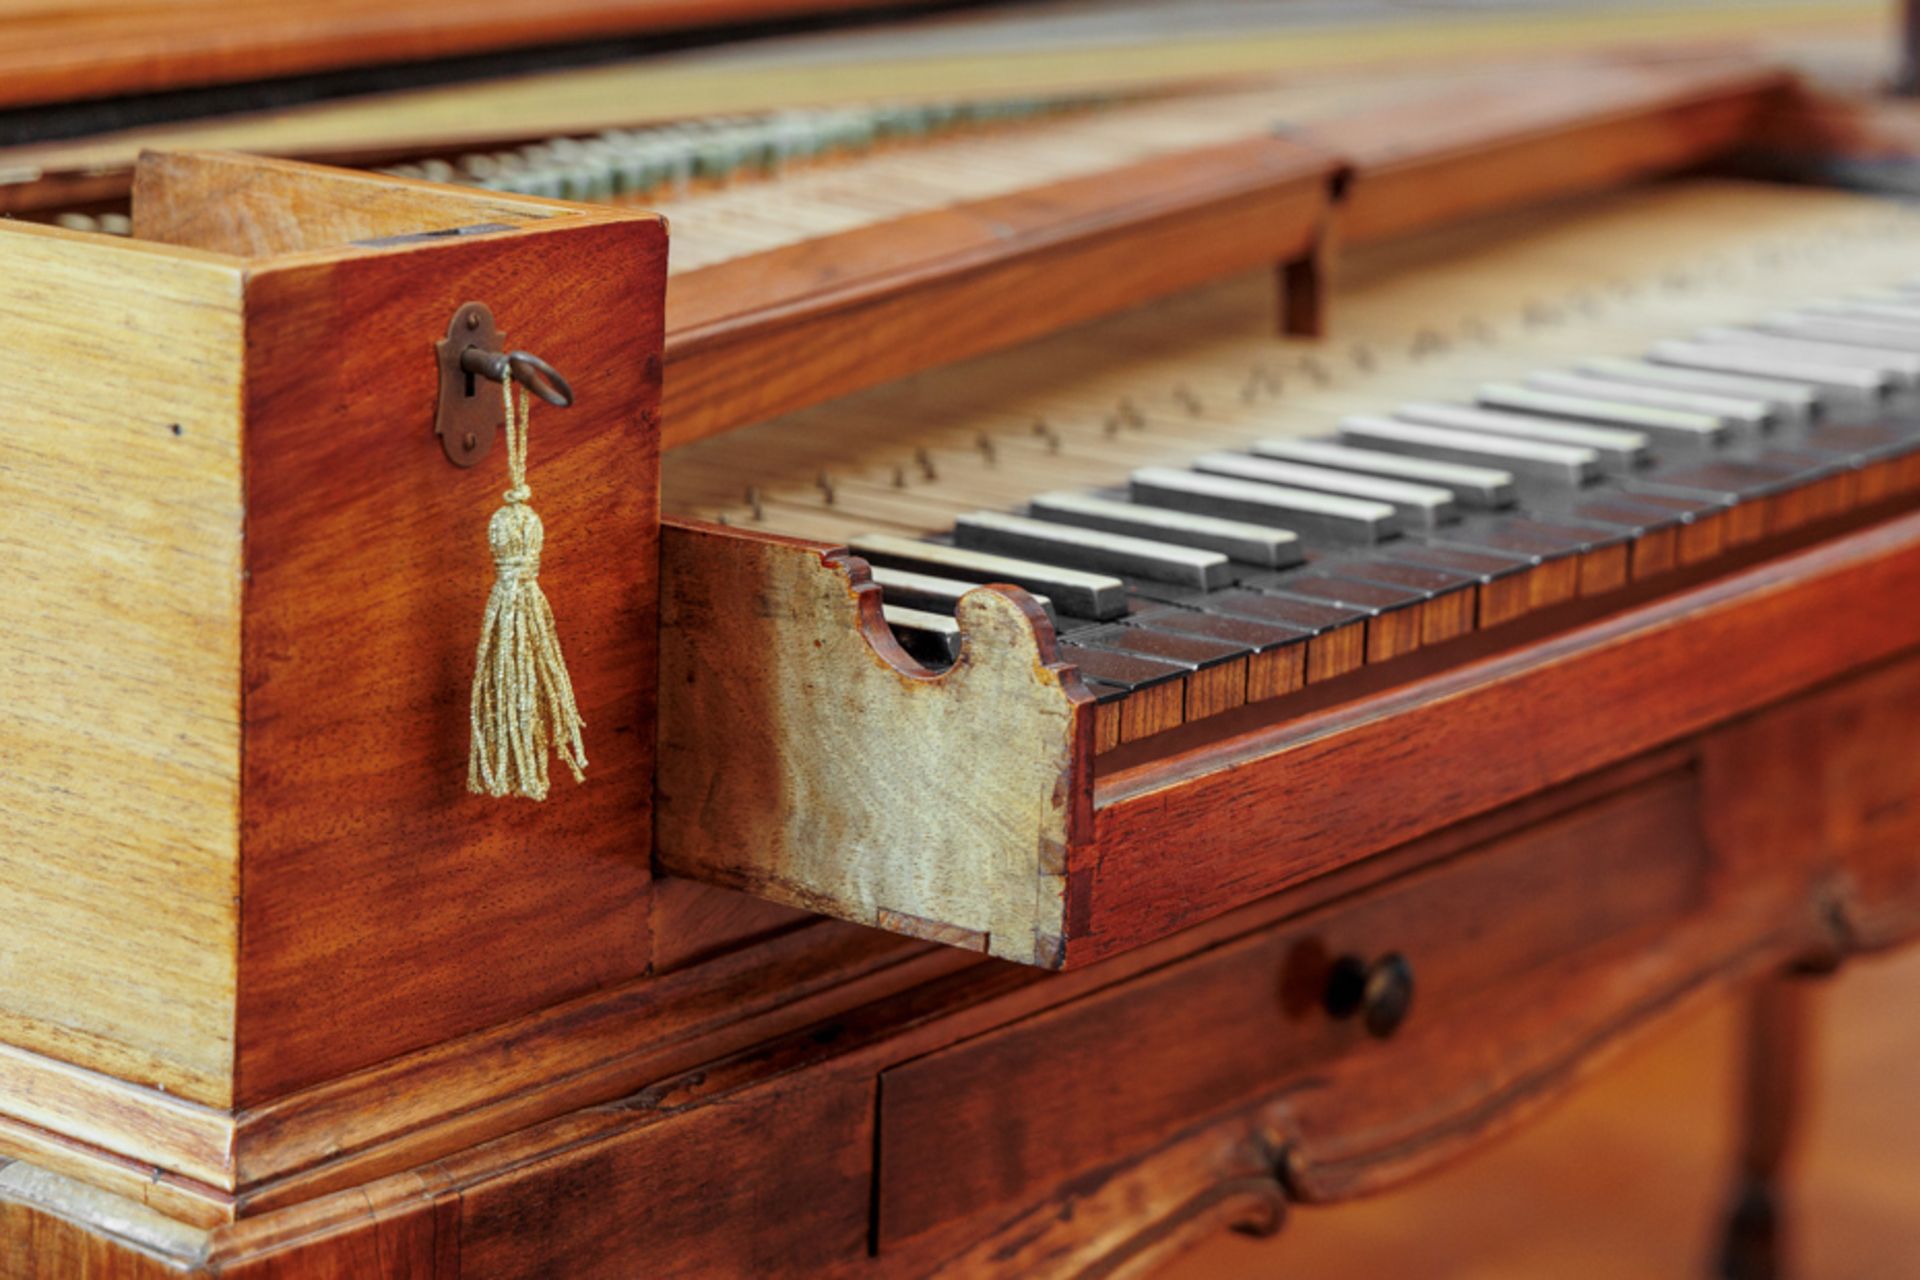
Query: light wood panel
(254, 208)
(120, 523)
(806, 758)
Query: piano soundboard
(1230, 520)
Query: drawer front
(1516, 949)
(1831, 781)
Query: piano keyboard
(1183, 587)
(735, 186)
(1191, 591)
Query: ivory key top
(1237, 539)
(1087, 595)
(1093, 549)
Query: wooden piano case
(806, 758)
(237, 851)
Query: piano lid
(79, 50)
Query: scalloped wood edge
(804, 757)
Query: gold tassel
(522, 699)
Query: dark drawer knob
(1381, 993)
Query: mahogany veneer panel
(1201, 831)
(55, 53)
(1485, 934)
(775, 331)
(1498, 146)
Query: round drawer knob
(1381, 993)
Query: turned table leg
(1773, 1094)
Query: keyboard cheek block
(806, 758)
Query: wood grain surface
(120, 523)
(431, 911)
(1246, 817)
(803, 753)
(765, 334)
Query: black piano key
(1396, 622)
(1337, 634)
(1506, 579)
(1452, 597)
(1146, 640)
(1122, 670)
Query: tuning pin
(925, 461)
(984, 443)
(1187, 400)
(753, 503)
(824, 483)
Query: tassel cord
(523, 706)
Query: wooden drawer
(1831, 782)
(1523, 952)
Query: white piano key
(932, 633)
(1478, 487)
(1837, 382)
(1093, 549)
(1676, 426)
(928, 592)
(1902, 368)
(1084, 595)
(1618, 450)
(1301, 510)
(1419, 505)
(1795, 402)
(1744, 413)
(1894, 308)
(1238, 539)
(1852, 331)
(1561, 464)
